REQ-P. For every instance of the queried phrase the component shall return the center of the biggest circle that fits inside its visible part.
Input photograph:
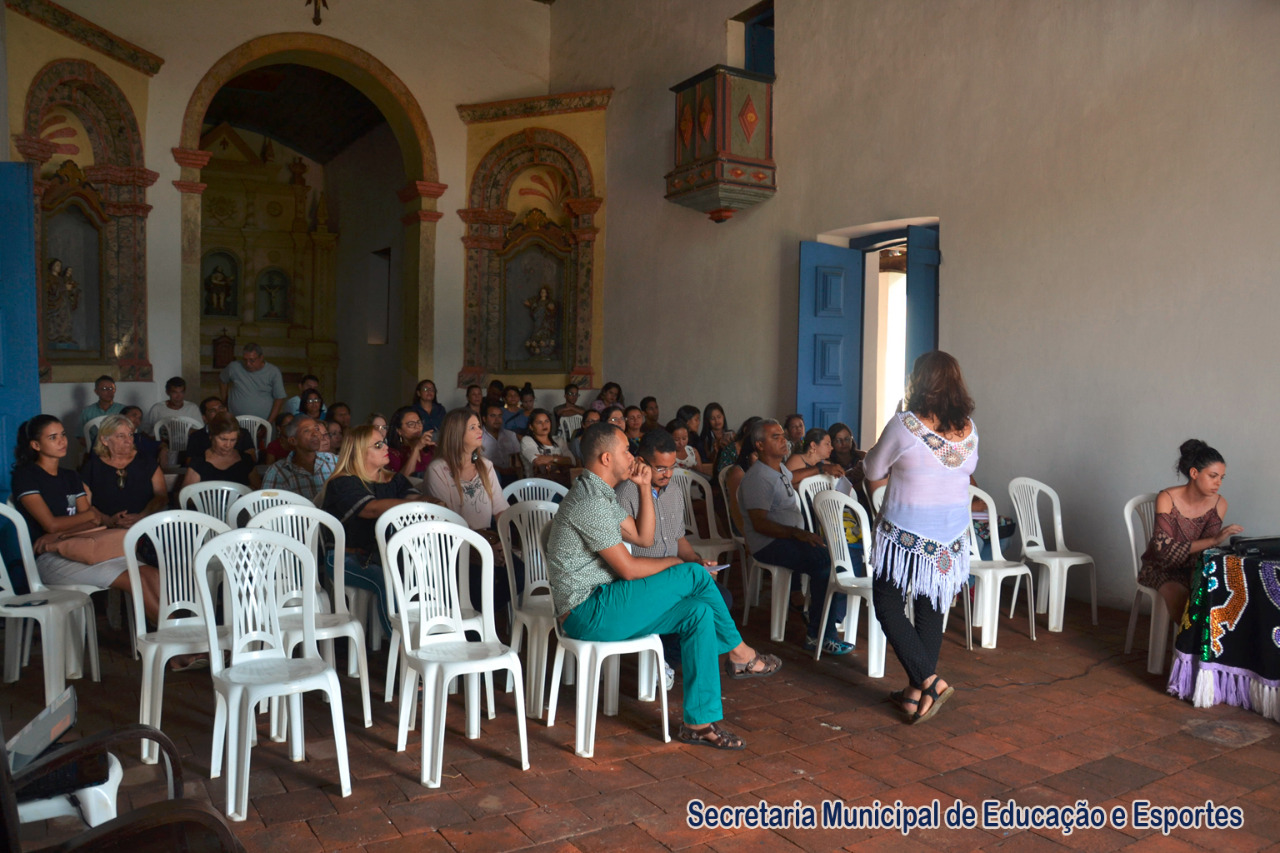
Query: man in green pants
(602, 592)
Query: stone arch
(417, 147)
(488, 222)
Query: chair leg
(408, 698)
(554, 696)
(517, 638)
(238, 794)
(1057, 597)
(357, 653)
(393, 657)
(53, 656)
(153, 674)
(520, 713)
(1133, 622)
(434, 692)
(877, 643)
(826, 612)
(339, 734)
(14, 629)
(611, 676)
(472, 684)
(588, 690)
(779, 602)
(297, 743)
(1031, 613)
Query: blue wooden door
(19, 376)
(829, 368)
(923, 259)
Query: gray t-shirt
(768, 489)
(253, 392)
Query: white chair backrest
(245, 507)
(252, 560)
(830, 507)
(174, 432)
(177, 536)
(1143, 507)
(569, 425)
(974, 547)
(533, 489)
(528, 519)
(421, 572)
(213, 497)
(399, 517)
(253, 423)
(681, 480)
(91, 430)
(1026, 507)
(723, 478)
(305, 523)
(8, 512)
(694, 480)
(808, 489)
(877, 499)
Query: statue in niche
(218, 286)
(61, 297)
(273, 295)
(221, 283)
(542, 309)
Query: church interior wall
(1105, 179)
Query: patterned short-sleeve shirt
(589, 521)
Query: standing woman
(428, 408)
(124, 484)
(1188, 521)
(54, 503)
(409, 448)
(921, 544)
(543, 455)
(222, 461)
(361, 489)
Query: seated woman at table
(124, 483)
(1188, 521)
(222, 461)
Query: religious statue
(62, 296)
(297, 171)
(543, 311)
(275, 286)
(218, 288)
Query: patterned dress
(1168, 556)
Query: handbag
(89, 546)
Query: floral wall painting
(274, 299)
(220, 284)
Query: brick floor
(1064, 718)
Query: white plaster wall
(1106, 178)
(446, 53)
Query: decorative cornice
(127, 208)
(191, 158)
(190, 187)
(421, 216)
(87, 33)
(421, 189)
(545, 105)
(134, 176)
(33, 149)
(585, 235)
(486, 216)
(491, 243)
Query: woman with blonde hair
(360, 489)
(124, 484)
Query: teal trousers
(682, 600)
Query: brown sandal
(769, 665)
(714, 736)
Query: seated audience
(124, 483)
(198, 441)
(610, 395)
(361, 489)
(1188, 521)
(815, 451)
(589, 417)
(105, 389)
(409, 449)
(475, 398)
(602, 592)
(54, 504)
(311, 404)
(569, 407)
(774, 530)
(143, 442)
(340, 413)
(716, 437)
(614, 415)
(633, 426)
(501, 446)
(544, 455)
(513, 417)
(845, 452)
(306, 468)
(223, 459)
(649, 405)
(692, 418)
(293, 405)
(496, 392)
(335, 435)
(746, 456)
(794, 427)
(378, 421)
(686, 454)
(528, 400)
(462, 478)
(176, 406)
(279, 447)
(428, 407)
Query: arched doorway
(417, 197)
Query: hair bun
(1195, 453)
(1191, 446)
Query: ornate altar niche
(266, 260)
(532, 274)
(81, 134)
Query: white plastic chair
(1052, 586)
(261, 667)
(779, 589)
(810, 488)
(991, 573)
(176, 536)
(95, 804)
(533, 489)
(569, 424)
(91, 428)
(213, 497)
(175, 432)
(247, 507)
(534, 612)
(750, 579)
(714, 545)
(253, 423)
(1143, 508)
(305, 523)
(830, 507)
(64, 617)
(423, 559)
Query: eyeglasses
(667, 470)
(411, 423)
(380, 427)
(785, 474)
(106, 387)
(378, 445)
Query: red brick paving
(1066, 717)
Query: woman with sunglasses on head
(360, 489)
(55, 504)
(123, 483)
(222, 461)
(428, 407)
(409, 448)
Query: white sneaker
(668, 676)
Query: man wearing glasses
(774, 529)
(105, 388)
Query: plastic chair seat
(287, 675)
(990, 574)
